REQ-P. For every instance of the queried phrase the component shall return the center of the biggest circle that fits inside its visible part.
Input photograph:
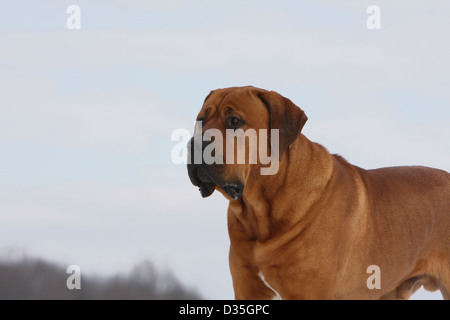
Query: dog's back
(416, 209)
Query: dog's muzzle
(206, 176)
(197, 171)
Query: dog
(319, 227)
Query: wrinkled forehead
(240, 99)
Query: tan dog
(314, 229)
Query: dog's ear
(285, 116)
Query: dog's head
(237, 130)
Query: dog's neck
(262, 212)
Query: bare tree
(38, 279)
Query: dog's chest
(276, 295)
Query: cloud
(373, 135)
(253, 44)
(123, 121)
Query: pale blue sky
(87, 115)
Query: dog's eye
(234, 122)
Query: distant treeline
(39, 279)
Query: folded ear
(285, 116)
